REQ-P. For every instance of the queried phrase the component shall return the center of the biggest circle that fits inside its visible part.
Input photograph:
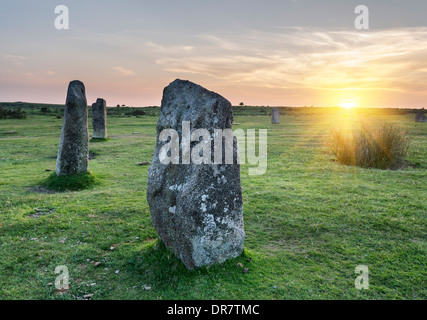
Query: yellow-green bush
(382, 148)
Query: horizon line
(253, 106)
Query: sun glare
(348, 105)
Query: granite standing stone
(74, 144)
(275, 116)
(99, 119)
(420, 117)
(197, 209)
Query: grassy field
(309, 221)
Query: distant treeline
(23, 109)
(30, 109)
(121, 112)
(15, 113)
(263, 110)
(57, 110)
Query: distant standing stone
(275, 116)
(74, 144)
(420, 117)
(99, 119)
(197, 209)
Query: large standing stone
(197, 209)
(420, 117)
(74, 144)
(275, 116)
(99, 119)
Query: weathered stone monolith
(74, 144)
(99, 119)
(197, 209)
(275, 116)
(420, 117)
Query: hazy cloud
(168, 49)
(122, 71)
(318, 59)
(15, 59)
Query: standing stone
(420, 117)
(74, 144)
(197, 209)
(275, 116)
(99, 119)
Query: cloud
(15, 59)
(392, 59)
(168, 49)
(122, 72)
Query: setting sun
(348, 105)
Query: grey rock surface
(99, 119)
(275, 116)
(74, 144)
(197, 209)
(420, 117)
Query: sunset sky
(271, 52)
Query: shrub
(382, 148)
(138, 112)
(12, 114)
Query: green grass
(69, 183)
(99, 140)
(309, 221)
